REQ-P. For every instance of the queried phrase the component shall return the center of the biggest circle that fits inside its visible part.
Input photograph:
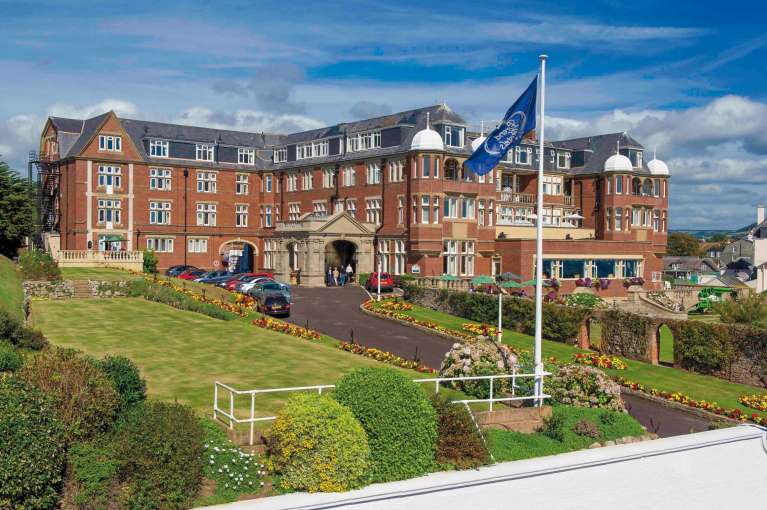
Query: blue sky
(687, 77)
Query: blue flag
(519, 120)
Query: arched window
(636, 186)
(647, 187)
(451, 169)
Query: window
(292, 183)
(281, 155)
(396, 171)
(328, 178)
(400, 257)
(552, 216)
(267, 182)
(241, 215)
(608, 218)
(425, 205)
(160, 244)
(338, 206)
(618, 184)
(481, 209)
(246, 156)
(350, 176)
(206, 182)
(451, 170)
(270, 247)
(363, 141)
(618, 218)
(294, 211)
(159, 213)
(636, 216)
(159, 179)
(373, 173)
(552, 184)
(109, 176)
(450, 257)
(312, 149)
(451, 207)
(241, 184)
(467, 258)
(351, 207)
(320, 209)
(608, 186)
(158, 148)
(206, 215)
(435, 211)
(656, 187)
(523, 155)
(425, 166)
(197, 245)
(373, 210)
(307, 180)
(267, 216)
(383, 251)
(490, 213)
(563, 159)
(454, 136)
(467, 208)
(400, 210)
(110, 143)
(109, 211)
(656, 220)
(204, 152)
(415, 210)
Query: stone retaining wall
(49, 290)
(68, 289)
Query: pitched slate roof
(602, 147)
(67, 125)
(90, 126)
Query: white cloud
(120, 107)
(248, 120)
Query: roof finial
(654, 151)
(481, 128)
(427, 120)
(618, 146)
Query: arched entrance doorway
(340, 254)
(238, 255)
(665, 339)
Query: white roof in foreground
(718, 469)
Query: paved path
(335, 312)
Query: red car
(192, 274)
(231, 284)
(387, 282)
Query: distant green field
(11, 293)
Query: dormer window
(312, 150)
(246, 156)
(204, 152)
(363, 141)
(158, 148)
(563, 159)
(523, 155)
(454, 136)
(281, 155)
(110, 143)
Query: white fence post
(252, 415)
(215, 400)
(491, 393)
(231, 409)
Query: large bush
(318, 445)
(475, 358)
(39, 265)
(94, 474)
(159, 449)
(459, 443)
(126, 378)
(584, 386)
(399, 420)
(85, 398)
(32, 448)
(16, 333)
(10, 359)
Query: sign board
(415, 269)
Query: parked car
(232, 283)
(270, 287)
(177, 270)
(192, 274)
(248, 283)
(273, 304)
(214, 277)
(387, 282)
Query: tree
(750, 310)
(681, 244)
(17, 210)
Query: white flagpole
(539, 247)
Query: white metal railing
(229, 414)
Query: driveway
(336, 312)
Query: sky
(687, 79)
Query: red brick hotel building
(391, 189)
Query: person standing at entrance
(349, 273)
(342, 278)
(330, 276)
(336, 274)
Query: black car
(273, 304)
(177, 270)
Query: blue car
(270, 287)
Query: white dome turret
(657, 167)
(427, 139)
(618, 163)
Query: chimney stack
(759, 214)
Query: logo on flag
(519, 120)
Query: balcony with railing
(530, 198)
(133, 260)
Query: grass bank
(11, 293)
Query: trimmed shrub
(624, 334)
(33, 447)
(702, 347)
(586, 428)
(150, 261)
(459, 444)
(39, 265)
(317, 444)
(85, 398)
(10, 359)
(126, 378)
(554, 427)
(479, 357)
(159, 449)
(400, 422)
(16, 333)
(585, 386)
(94, 473)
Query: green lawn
(11, 294)
(182, 353)
(96, 273)
(699, 387)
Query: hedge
(16, 333)
(166, 295)
(625, 334)
(400, 422)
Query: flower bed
(385, 357)
(394, 305)
(234, 308)
(758, 402)
(599, 360)
(480, 329)
(244, 300)
(713, 407)
(370, 306)
(287, 328)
